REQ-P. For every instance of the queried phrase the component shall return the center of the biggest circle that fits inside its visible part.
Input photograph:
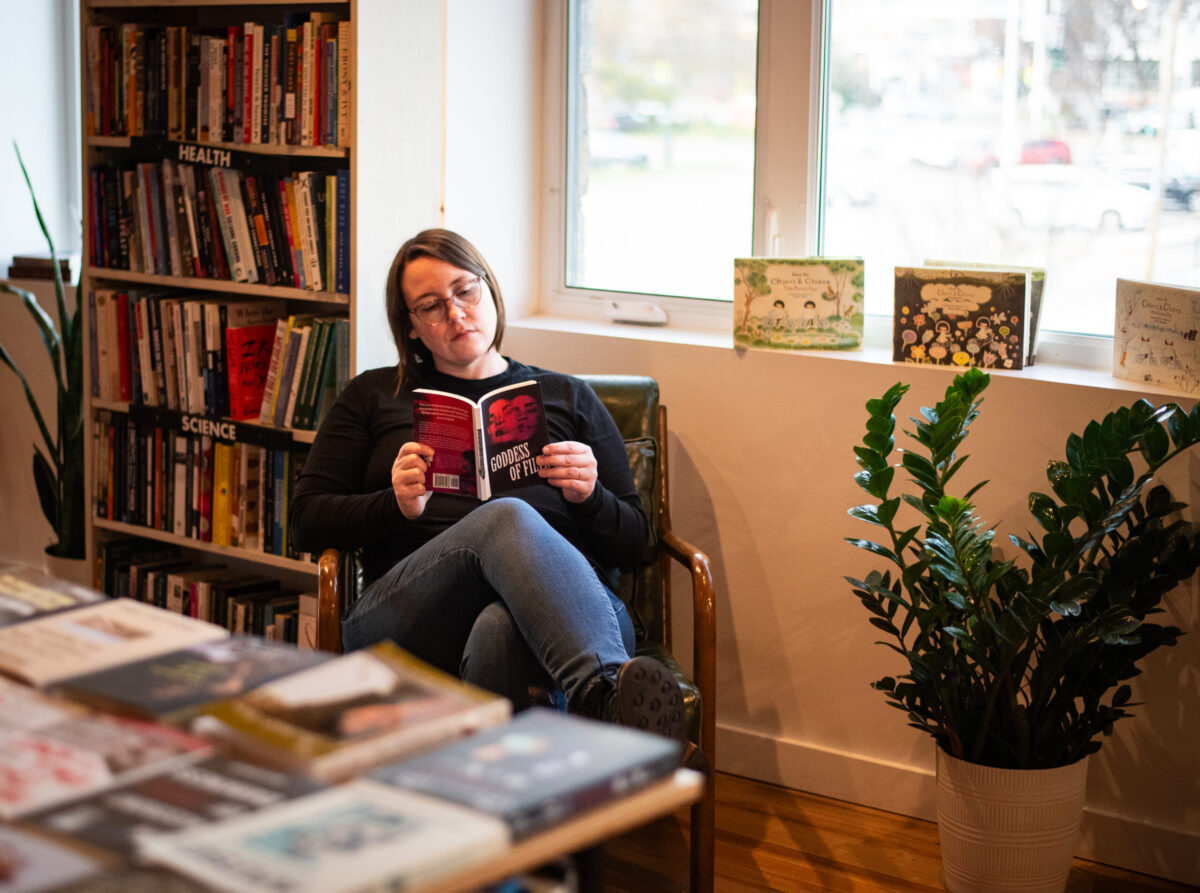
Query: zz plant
(58, 465)
(1022, 664)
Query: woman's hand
(570, 466)
(408, 478)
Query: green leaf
(1045, 511)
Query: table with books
(143, 749)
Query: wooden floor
(771, 838)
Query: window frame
(789, 141)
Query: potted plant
(58, 462)
(1017, 667)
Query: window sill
(1063, 359)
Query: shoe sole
(648, 698)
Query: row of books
(195, 485)
(166, 753)
(274, 83)
(176, 218)
(241, 601)
(947, 313)
(206, 355)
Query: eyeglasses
(437, 311)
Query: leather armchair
(633, 402)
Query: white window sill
(1075, 360)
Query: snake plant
(58, 460)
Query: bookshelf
(136, 139)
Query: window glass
(660, 170)
(1025, 132)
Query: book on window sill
(361, 835)
(351, 713)
(798, 304)
(1155, 334)
(1037, 291)
(93, 637)
(212, 790)
(961, 316)
(541, 768)
(83, 755)
(173, 687)
(26, 593)
(485, 448)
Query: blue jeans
(501, 599)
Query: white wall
(761, 478)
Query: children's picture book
(93, 637)
(213, 790)
(1154, 337)
(54, 764)
(345, 715)
(172, 687)
(357, 836)
(485, 448)
(800, 303)
(29, 863)
(961, 317)
(539, 769)
(1037, 292)
(26, 592)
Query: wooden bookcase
(394, 190)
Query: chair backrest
(632, 401)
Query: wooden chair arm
(330, 598)
(704, 632)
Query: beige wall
(761, 479)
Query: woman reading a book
(513, 593)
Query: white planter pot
(1008, 829)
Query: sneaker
(640, 693)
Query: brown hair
(440, 244)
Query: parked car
(1057, 196)
(980, 158)
(1180, 188)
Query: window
(1054, 133)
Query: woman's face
(461, 345)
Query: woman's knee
(512, 523)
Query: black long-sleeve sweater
(343, 498)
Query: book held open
(484, 448)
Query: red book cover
(249, 340)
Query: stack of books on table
(144, 749)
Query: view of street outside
(1009, 131)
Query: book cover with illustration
(961, 317)
(803, 303)
(361, 835)
(29, 862)
(22, 707)
(114, 631)
(81, 755)
(485, 448)
(172, 687)
(539, 769)
(26, 593)
(356, 711)
(1154, 337)
(1037, 292)
(213, 790)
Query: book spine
(221, 198)
(271, 387)
(342, 228)
(170, 221)
(344, 91)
